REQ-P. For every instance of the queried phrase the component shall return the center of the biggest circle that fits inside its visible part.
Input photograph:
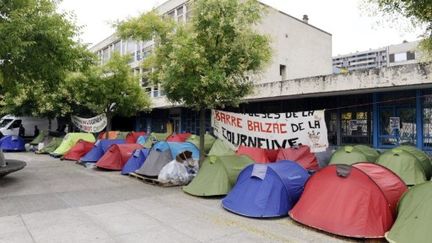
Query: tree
(204, 63)
(111, 89)
(37, 50)
(418, 12)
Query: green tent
(122, 135)
(220, 148)
(208, 141)
(353, 154)
(421, 156)
(414, 219)
(217, 175)
(155, 137)
(404, 164)
(51, 146)
(39, 138)
(70, 140)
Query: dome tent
(117, 156)
(101, 146)
(353, 154)
(162, 153)
(39, 138)
(132, 137)
(135, 161)
(50, 146)
(258, 155)
(70, 140)
(405, 165)
(301, 155)
(414, 216)
(12, 143)
(220, 148)
(111, 135)
(329, 204)
(217, 175)
(154, 138)
(208, 141)
(81, 148)
(179, 137)
(266, 190)
(421, 156)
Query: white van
(9, 125)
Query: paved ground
(59, 201)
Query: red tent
(111, 135)
(78, 150)
(117, 156)
(180, 137)
(301, 154)
(258, 155)
(132, 137)
(354, 201)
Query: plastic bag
(174, 173)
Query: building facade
(393, 55)
(384, 86)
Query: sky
(351, 27)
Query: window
(117, 47)
(171, 14)
(392, 57)
(15, 124)
(146, 51)
(427, 119)
(5, 122)
(282, 71)
(410, 55)
(180, 13)
(400, 57)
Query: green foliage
(205, 62)
(418, 12)
(37, 50)
(110, 89)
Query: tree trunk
(202, 133)
(108, 127)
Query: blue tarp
(142, 139)
(178, 147)
(267, 190)
(101, 146)
(135, 161)
(12, 143)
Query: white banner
(272, 130)
(94, 124)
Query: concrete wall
(362, 81)
(404, 47)
(304, 49)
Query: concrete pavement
(58, 201)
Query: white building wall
(304, 49)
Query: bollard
(2, 159)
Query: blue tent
(101, 146)
(12, 143)
(267, 190)
(178, 147)
(162, 153)
(135, 161)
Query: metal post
(419, 120)
(375, 120)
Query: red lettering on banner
(267, 127)
(228, 119)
